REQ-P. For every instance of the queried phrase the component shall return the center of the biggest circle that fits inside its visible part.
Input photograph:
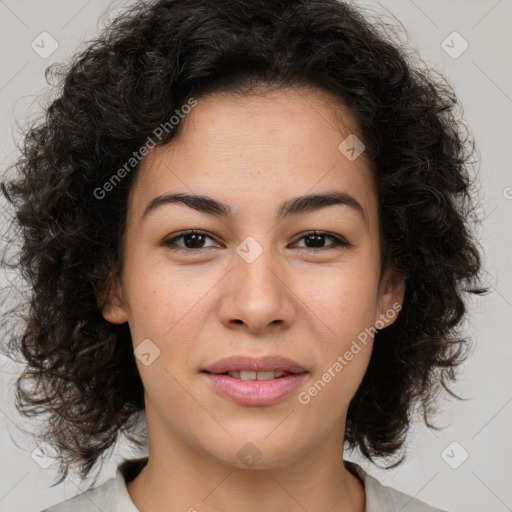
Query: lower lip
(255, 392)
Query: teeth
(249, 375)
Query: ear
(112, 306)
(390, 298)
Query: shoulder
(381, 498)
(111, 495)
(101, 498)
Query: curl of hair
(80, 371)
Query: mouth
(253, 375)
(255, 368)
(255, 381)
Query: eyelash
(170, 243)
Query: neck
(178, 478)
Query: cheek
(345, 308)
(345, 301)
(171, 307)
(344, 304)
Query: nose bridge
(256, 268)
(258, 295)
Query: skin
(252, 152)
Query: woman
(247, 222)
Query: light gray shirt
(112, 496)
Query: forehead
(266, 146)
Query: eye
(315, 240)
(193, 239)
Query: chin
(258, 454)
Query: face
(255, 281)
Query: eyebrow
(293, 206)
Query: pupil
(196, 240)
(318, 239)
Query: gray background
(482, 77)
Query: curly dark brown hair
(80, 371)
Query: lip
(254, 392)
(256, 364)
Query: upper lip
(256, 364)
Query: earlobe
(391, 298)
(113, 307)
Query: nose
(257, 297)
